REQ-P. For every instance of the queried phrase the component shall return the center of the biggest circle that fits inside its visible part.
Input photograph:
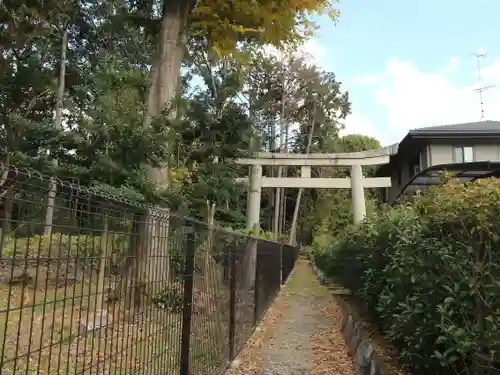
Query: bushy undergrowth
(87, 249)
(60, 245)
(263, 235)
(429, 274)
(170, 299)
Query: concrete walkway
(300, 334)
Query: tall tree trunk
(165, 71)
(293, 230)
(210, 233)
(73, 212)
(104, 246)
(283, 191)
(6, 227)
(49, 213)
(279, 191)
(251, 250)
(152, 252)
(6, 199)
(272, 195)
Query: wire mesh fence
(92, 284)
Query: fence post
(256, 288)
(232, 303)
(190, 246)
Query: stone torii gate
(356, 182)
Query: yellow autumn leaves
(262, 21)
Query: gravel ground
(299, 335)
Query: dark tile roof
(467, 127)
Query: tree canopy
(95, 61)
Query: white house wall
(443, 153)
(487, 153)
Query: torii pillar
(357, 194)
(254, 196)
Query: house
(447, 146)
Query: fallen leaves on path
(248, 362)
(329, 348)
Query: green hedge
(429, 274)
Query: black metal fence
(91, 284)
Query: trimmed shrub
(429, 274)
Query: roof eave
(403, 145)
(452, 134)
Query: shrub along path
(300, 333)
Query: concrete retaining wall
(360, 347)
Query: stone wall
(360, 347)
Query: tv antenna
(481, 89)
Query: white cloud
(368, 79)
(357, 124)
(452, 66)
(314, 52)
(311, 50)
(413, 99)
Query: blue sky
(412, 64)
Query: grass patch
(48, 296)
(49, 338)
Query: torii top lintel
(369, 157)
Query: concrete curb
(359, 346)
